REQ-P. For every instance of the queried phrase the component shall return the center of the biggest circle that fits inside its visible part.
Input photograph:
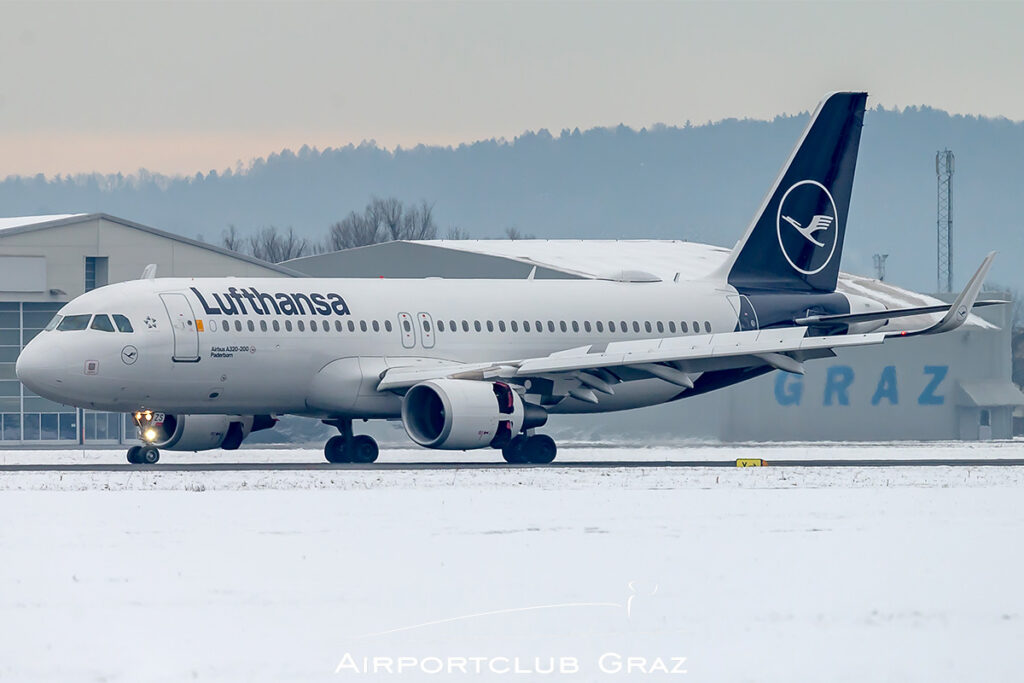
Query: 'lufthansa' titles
(233, 302)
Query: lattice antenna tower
(944, 163)
(880, 260)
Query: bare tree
(456, 233)
(513, 233)
(354, 230)
(230, 239)
(274, 246)
(388, 214)
(418, 223)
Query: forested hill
(699, 183)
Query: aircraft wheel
(540, 449)
(363, 449)
(133, 455)
(335, 450)
(148, 455)
(514, 451)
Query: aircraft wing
(597, 367)
(669, 358)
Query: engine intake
(459, 414)
(201, 432)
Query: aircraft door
(426, 330)
(183, 325)
(408, 333)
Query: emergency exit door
(183, 325)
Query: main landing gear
(143, 455)
(347, 447)
(537, 449)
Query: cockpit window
(54, 322)
(72, 323)
(123, 324)
(102, 323)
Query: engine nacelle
(459, 414)
(201, 432)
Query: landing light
(150, 434)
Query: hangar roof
(22, 224)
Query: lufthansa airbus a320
(466, 364)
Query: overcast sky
(185, 87)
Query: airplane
(202, 363)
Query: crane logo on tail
(817, 223)
(807, 226)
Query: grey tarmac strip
(567, 465)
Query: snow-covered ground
(764, 574)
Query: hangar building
(950, 386)
(45, 261)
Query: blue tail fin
(796, 239)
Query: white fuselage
(232, 351)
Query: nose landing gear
(143, 455)
(147, 454)
(347, 447)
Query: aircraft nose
(39, 366)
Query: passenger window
(251, 326)
(102, 323)
(624, 327)
(452, 327)
(696, 327)
(287, 325)
(123, 324)
(440, 326)
(647, 326)
(707, 327)
(575, 326)
(515, 326)
(600, 326)
(526, 326)
(238, 326)
(312, 326)
(376, 326)
(551, 326)
(611, 325)
(325, 325)
(490, 326)
(476, 325)
(351, 326)
(263, 326)
(636, 326)
(465, 326)
(337, 326)
(501, 325)
(672, 326)
(73, 323)
(407, 326)
(225, 326)
(661, 327)
(362, 325)
(52, 325)
(562, 326)
(301, 325)
(683, 327)
(586, 325)
(277, 326)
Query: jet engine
(200, 432)
(459, 414)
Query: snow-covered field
(765, 574)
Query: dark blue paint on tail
(795, 242)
